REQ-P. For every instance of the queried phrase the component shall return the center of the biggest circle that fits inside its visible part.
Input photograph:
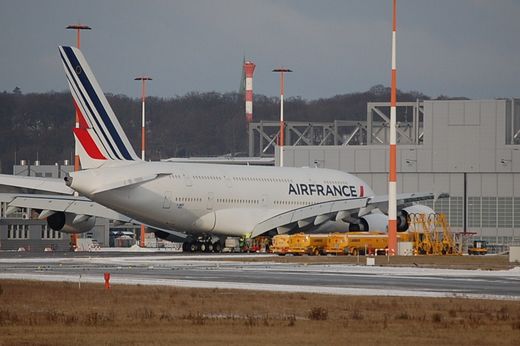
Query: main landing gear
(202, 243)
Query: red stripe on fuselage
(88, 144)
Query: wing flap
(307, 213)
(404, 199)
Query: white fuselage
(211, 198)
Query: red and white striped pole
(282, 123)
(143, 79)
(249, 68)
(77, 163)
(78, 28)
(392, 178)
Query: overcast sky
(457, 48)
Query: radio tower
(392, 177)
(249, 68)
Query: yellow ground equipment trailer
(479, 248)
(280, 244)
(364, 243)
(352, 243)
(309, 244)
(429, 235)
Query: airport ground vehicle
(309, 244)
(257, 244)
(352, 243)
(231, 244)
(429, 241)
(280, 244)
(366, 243)
(479, 248)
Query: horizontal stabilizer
(41, 184)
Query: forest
(38, 126)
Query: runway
(214, 272)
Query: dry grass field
(45, 313)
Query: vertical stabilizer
(100, 135)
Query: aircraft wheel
(217, 247)
(193, 247)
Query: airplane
(185, 200)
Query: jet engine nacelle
(403, 219)
(370, 222)
(379, 222)
(71, 223)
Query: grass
(48, 313)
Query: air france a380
(185, 199)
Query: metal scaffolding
(263, 135)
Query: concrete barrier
(514, 254)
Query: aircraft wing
(314, 213)
(69, 204)
(403, 200)
(75, 205)
(338, 210)
(41, 184)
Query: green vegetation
(196, 124)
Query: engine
(379, 221)
(71, 223)
(370, 222)
(403, 219)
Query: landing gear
(202, 243)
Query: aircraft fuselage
(204, 198)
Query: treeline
(39, 126)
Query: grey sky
(457, 48)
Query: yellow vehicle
(364, 243)
(310, 244)
(336, 243)
(479, 248)
(280, 244)
(349, 243)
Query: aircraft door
(210, 201)
(186, 177)
(167, 202)
(229, 183)
(265, 201)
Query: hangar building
(468, 148)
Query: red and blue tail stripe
(108, 139)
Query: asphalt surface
(211, 271)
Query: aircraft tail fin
(100, 136)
